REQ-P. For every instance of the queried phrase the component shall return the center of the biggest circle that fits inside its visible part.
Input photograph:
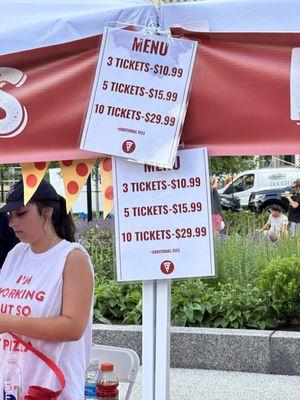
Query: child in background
(276, 226)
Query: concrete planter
(275, 352)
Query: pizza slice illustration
(75, 174)
(32, 173)
(106, 186)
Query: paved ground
(187, 384)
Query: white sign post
(139, 96)
(163, 231)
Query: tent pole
(89, 198)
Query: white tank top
(31, 286)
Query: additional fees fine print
(139, 96)
(163, 226)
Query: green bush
(194, 303)
(230, 305)
(116, 302)
(280, 280)
(243, 258)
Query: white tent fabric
(234, 15)
(28, 24)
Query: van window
(244, 182)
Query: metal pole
(156, 340)
(149, 333)
(89, 198)
(162, 359)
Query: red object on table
(107, 384)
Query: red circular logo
(167, 267)
(128, 146)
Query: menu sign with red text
(295, 84)
(163, 226)
(139, 96)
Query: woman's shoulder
(66, 248)
(73, 246)
(76, 253)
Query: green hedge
(194, 303)
(280, 281)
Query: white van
(259, 179)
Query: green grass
(242, 258)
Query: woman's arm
(77, 297)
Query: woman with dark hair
(46, 290)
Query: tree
(97, 178)
(230, 164)
(9, 173)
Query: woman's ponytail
(62, 222)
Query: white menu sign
(295, 84)
(139, 97)
(163, 226)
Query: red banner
(239, 103)
(43, 99)
(240, 95)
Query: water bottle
(107, 383)
(12, 379)
(91, 380)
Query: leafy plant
(280, 280)
(117, 302)
(231, 305)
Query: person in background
(47, 295)
(294, 209)
(228, 179)
(8, 239)
(218, 223)
(276, 226)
